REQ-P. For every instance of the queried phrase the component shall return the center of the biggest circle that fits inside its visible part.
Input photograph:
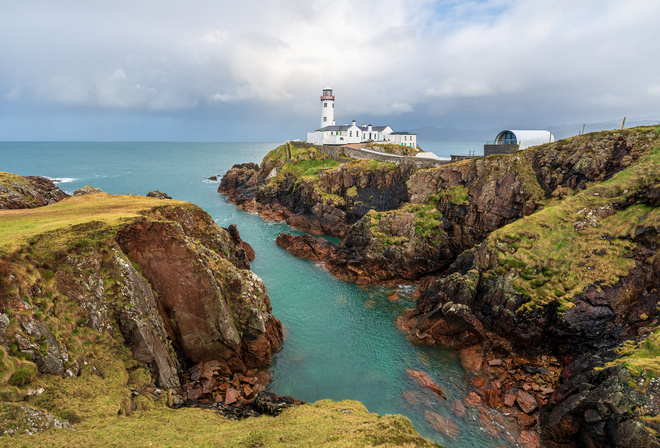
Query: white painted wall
(409, 140)
(327, 113)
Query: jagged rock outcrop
(600, 408)
(306, 246)
(87, 189)
(544, 258)
(527, 284)
(212, 309)
(27, 192)
(313, 192)
(162, 282)
(449, 209)
(158, 194)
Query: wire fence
(626, 122)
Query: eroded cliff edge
(537, 265)
(113, 309)
(133, 290)
(27, 191)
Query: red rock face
(306, 246)
(466, 308)
(212, 309)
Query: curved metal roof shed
(510, 141)
(524, 139)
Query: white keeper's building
(331, 134)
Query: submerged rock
(442, 424)
(424, 379)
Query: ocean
(340, 338)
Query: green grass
(426, 221)
(309, 169)
(555, 261)
(456, 195)
(323, 424)
(641, 358)
(19, 226)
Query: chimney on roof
(353, 122)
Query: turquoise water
(341, 341)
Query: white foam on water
(62, 180)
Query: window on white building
(325, 104)
(325, 119)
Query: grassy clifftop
(584, 239)
(103, 211)
(73, 312)
(323, 424)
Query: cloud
(120, 74)
(400, 108)
(430, 62)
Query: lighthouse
(327, 108)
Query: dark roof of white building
(346, 127)
(343, 127)
(374, 128)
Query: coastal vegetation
(548, 252)
(87, 357)
(343, 424)
(585, 239)
(390, 148)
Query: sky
(215, 70)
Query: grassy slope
(323, 424)
(308, 164)
(99, 401)
(555, 261)
(19, 226)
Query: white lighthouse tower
(327, 108)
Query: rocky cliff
(27, 192)
(129, 305)
(574, 280)
(442, 212)
(537, 266)
(131, 291)
(312, 191)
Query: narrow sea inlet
(341, 341)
